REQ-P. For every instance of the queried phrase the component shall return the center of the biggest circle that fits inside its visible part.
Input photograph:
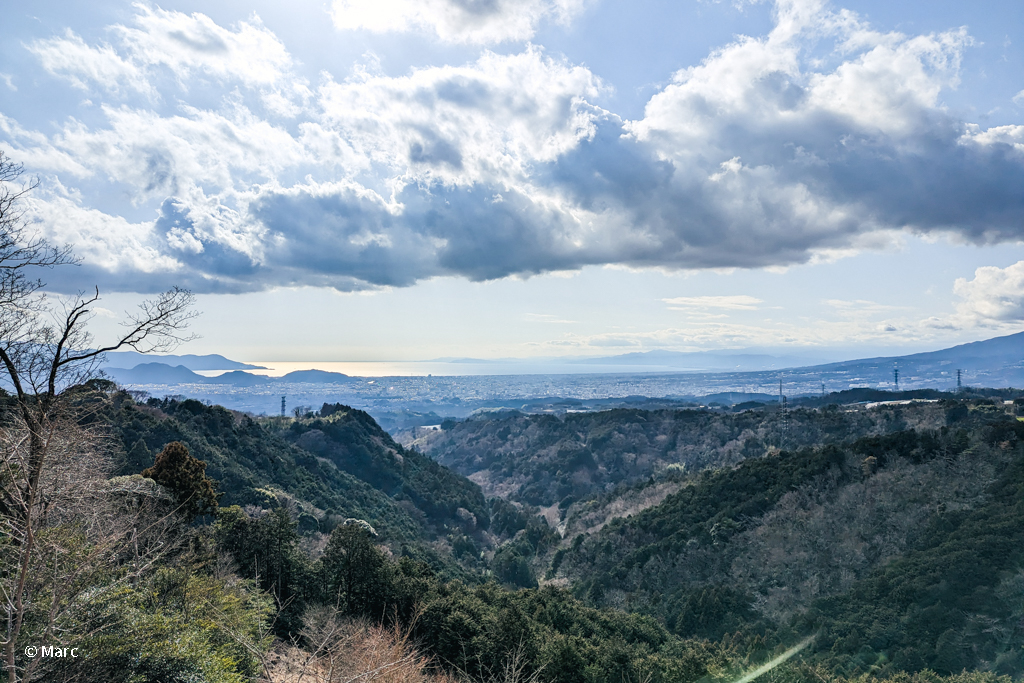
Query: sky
(414, 179)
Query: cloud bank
(773, 151)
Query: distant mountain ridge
(213, 361)
(161, 373)
(1008, 349)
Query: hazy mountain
(161, 373)
(999, 351)
(315, 377)
(239, 379)
(154, 373)
(131, 359)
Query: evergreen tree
(176, 469)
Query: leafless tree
(45, 349)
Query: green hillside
(353, 442)
(349, 468)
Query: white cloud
(993, 297)
(455, 21)
(859, 306)
(1011, 136)
(107, 242)
(186, 45)
(86, 67)
(740, 302)
(490, 121)
(548, 318)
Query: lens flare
(768, 666)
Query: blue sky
(400, 179)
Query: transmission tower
(784, 407)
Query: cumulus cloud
(455, 21)
(187, 46)
(769, 153)
(453, 150)
(994, 296)
(490, 121)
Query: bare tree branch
(50, 477)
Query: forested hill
(332, 465)
(353, 442)
(894, 531)
(902, 551)
(542, 460)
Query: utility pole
(896, 375)
(282, 406)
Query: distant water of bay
(445, 368)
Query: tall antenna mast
(785, 416)
(896, 375)
(282, 406)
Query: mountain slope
(352, 441)
(401, 493)
(544, 460)
(902, 551)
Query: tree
(265, 547)
(176, 469)
(45, 351)
(357, 576)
